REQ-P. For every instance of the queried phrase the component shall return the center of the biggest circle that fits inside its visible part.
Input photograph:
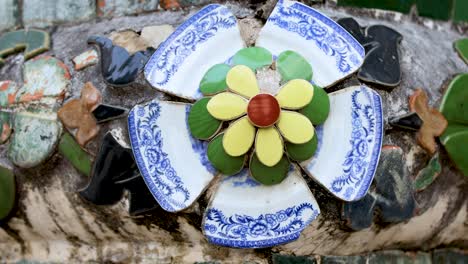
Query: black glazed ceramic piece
(104, 113)
(381, 64)
(114, 171)
(392, 193)
(118, 67)
(410, 121)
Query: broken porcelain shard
(85, 59)
(410, 121)
(118, 67)
(29, 110)
(105, 112)
(33, 42)
(381, 64)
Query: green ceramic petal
(253, 57)
(7, 192)
(214, 80)
(454, 104)
(292, 65)
(224, 163)
(301, 152)
(455, 140)
(201, 123)
(269, 175)
(318, 109)
(461, 46)
(70, 149)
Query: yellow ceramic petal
(295, 127)
(269, 146)
(295, 94)
(239, 137)
(227, 106)
(241, 79)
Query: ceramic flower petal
(246, 214)
(295, 127)
(269, 146)
(173, 164)
(330, 49)
(239, 137)
(295, 94)
(241, 80)
(349, 143)
(227, 106)
(182, 60)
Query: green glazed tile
(318, 109)
(427, 175)
(33, 42)
(269, 175)
(7, 191)
(454, 105)
(214, 80)
(437, 9)
(224, 163)
(455, 140)
(301, 152)
(292, 65)
(253, 57)
(461, 46)
(403, 6)
(28, 149)
(460, 10)
(72, 151)
(201, 123)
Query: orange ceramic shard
(434, 123)
(77, 113)
(170, 4)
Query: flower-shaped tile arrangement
(251, 138)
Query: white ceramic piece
(333, 53)
(173, 164)
(349, 145)
(209, 37)
(246, 214)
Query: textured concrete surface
(8, 11)
(53, 224)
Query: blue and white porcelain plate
(242, 213)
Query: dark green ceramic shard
(224, 163)
(301, 152)
(269, 175)
(201, 123)
(253, 57)
(72, 151)
(455, 141)
(214, 80)
(7, 191)
(318, 109)
(33, 42)
(292, 65)
(454, 105)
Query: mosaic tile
(253, 57)
(201, 123)
(33, 42)
(35, 137)
(436, 9)
(434, 123)
(403, 6)
(85, 59)
(29, 111)
(410, 121)
(72, 151)
(381, 64)
(77, 113)
(393, 193)
(292, 65)
(223, 162)
(459, 10)
(118, 67)
(428, 174)
(461, 46)
(104, 113)
(7, 192)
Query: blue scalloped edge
(253, 244)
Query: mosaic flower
(236, 122)
(258, 120)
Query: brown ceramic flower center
(263, 110)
